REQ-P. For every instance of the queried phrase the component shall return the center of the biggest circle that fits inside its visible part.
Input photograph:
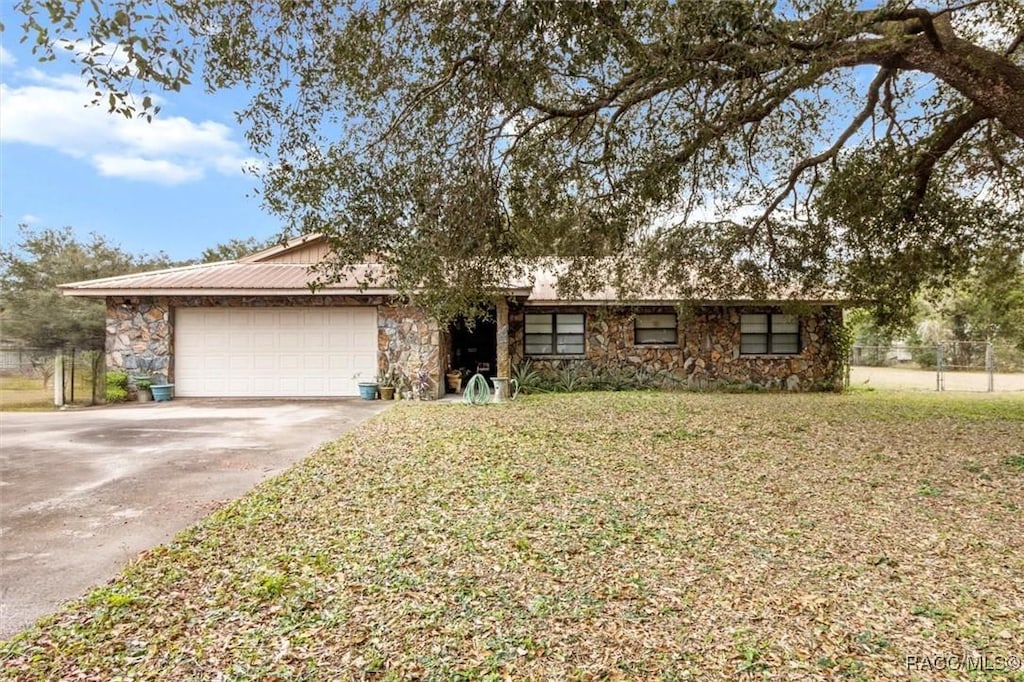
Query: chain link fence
(948, 366)
(35, 377)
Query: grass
(590, 536)
(21, 392)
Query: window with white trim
(769, 334)
(655, 329)
(554, 334)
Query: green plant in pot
(142, 377)
(143, 389)
(386, 384)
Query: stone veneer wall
(408, 340)
(143, 327)
(139, 329)
(707, 353)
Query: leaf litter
(585, 537)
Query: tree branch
(939, 146)
(872, 99)
(425, 94)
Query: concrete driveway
(83, 492)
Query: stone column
(504, 361)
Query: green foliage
(923, 352)
(34, 310)
(111, 597)
(475, 136)
(117, 386)
(986, 304)
(865, 329)
(841, 336)
(388, 378)
(527, 377)
(233, 249)
(571, 376)
(116, 394)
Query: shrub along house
(253, 328)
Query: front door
(474, 346)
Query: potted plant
(454, 378)
(401, 388)
(386, 384)
(367, 389)
(422, 385)
(162, 392)
(143, 389)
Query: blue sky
(175, 185)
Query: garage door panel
(238, 318)
(264, 385)
(241, 362)
(290, 319)
(262, 363)
(312, 342)
(264, 341)
(273, 351)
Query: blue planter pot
(162, 392)
(368, 390)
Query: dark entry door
(475, 346)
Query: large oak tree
(725, 147)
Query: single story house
(253, 328)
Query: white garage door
(256, 352)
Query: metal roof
(272, 272)
(227, 278)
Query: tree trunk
(989, 79)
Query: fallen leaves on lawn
(585, 537)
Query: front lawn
(593, 536)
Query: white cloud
(135, 168)
(7, 59)
(54, 112)
(30, 219)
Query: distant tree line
(34, 313)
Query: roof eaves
(136, 275)
(193, 291)
(278, 249)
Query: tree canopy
(34, 312)
(234, 249)
(722, 147)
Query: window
(660, 328)
(554, 333)
(769, 333)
